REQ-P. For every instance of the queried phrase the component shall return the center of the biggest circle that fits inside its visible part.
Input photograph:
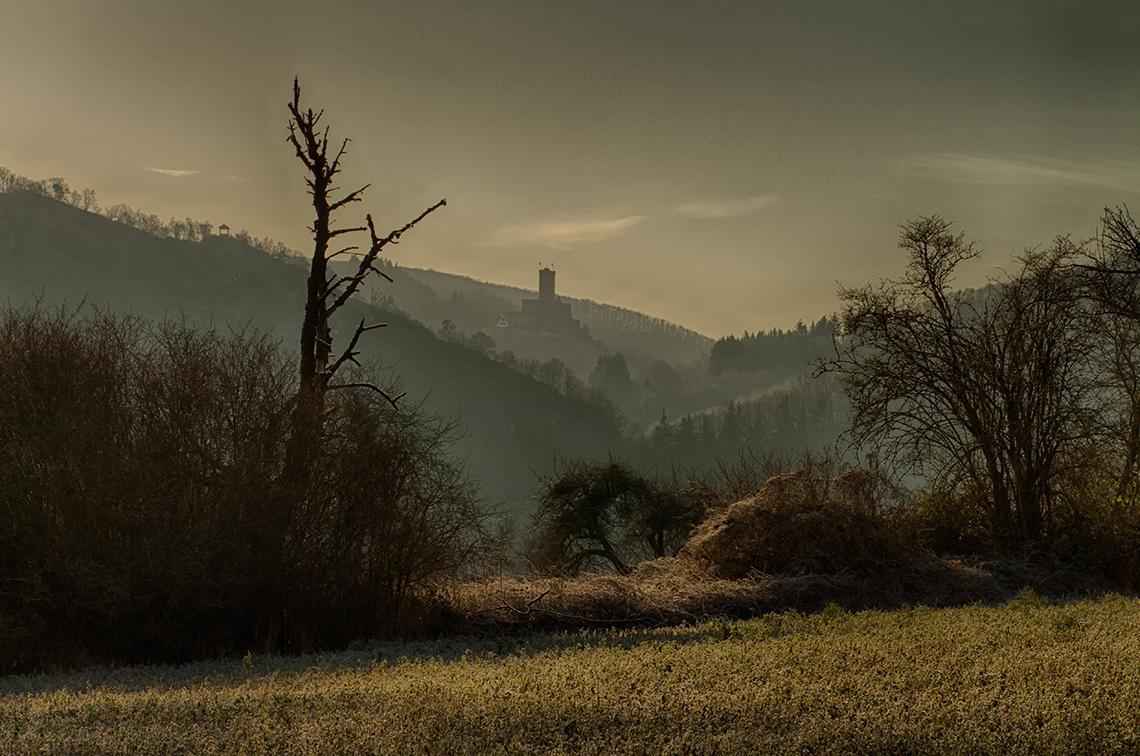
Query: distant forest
(775, 349)
(806, 417)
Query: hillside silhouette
(432, 296)
(514, 425)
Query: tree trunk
(1127, 484)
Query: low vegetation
(1030, 677)
(669, 591)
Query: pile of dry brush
(817, 535)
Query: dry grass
(806, 522)
(803, 540)
(672, 591)
(1025, 678)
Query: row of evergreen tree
(775, 350)
(809, 416)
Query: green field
(1029, 677)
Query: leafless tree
(1118, 361)
(1112, 263)
(984, 391)
(326, 291)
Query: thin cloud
(985, 169)
(563, 233)
(734, 208)
(172, 172)
(599, 226)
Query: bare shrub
(140, 469)
(733, 480)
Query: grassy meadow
(1027, 677)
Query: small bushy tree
(608, 514)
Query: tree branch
(377, 244)
(371, 387)
(350, 354)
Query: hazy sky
(720, 164)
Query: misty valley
(536, 416)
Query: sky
(724, 165)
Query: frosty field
(1026, 677)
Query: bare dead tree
(326, 291)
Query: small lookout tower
(223, 230)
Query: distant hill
(515, 425)
(674, 370)
(432, 296)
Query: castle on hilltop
(546, 313)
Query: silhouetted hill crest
(515, 424)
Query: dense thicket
(143, 513)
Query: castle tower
(546, 285)
(547, 313)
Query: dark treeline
(811, 415)
(776, 350)
(603, 317)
